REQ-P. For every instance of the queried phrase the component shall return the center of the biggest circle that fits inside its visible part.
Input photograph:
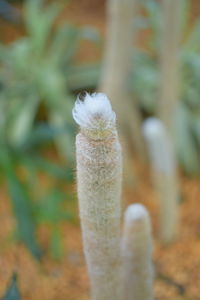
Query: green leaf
(12, 292)
(51, 83)
(66, 40)
(64, 44)
(185, 14)
(144, 81)
(23, 210)
(21, 124)
(65, 141)
(19, 55)
(195, 119)
(56, 246)
(186, 147)
(83, 76)
(40, 135)
(91, 34)
(50, 208)
(194, 35)
(51, 168)
(39, 22)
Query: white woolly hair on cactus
(94, 113)
(162, 157)
(137, 248)
(99, 168)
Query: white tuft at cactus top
(95, 115)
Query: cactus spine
(137, 247)
(99, 169)
(163, 163)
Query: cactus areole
(99, 169)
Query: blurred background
(146, 56)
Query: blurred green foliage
(38, 71)
(12, 292)
(32, 204)
(145, 79)
(40, 68)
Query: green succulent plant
(145, 79)
(36, 69)
(39, 70)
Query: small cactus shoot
(137, 247)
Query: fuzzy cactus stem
(98, 155)
(163, 162)
(137, 247)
